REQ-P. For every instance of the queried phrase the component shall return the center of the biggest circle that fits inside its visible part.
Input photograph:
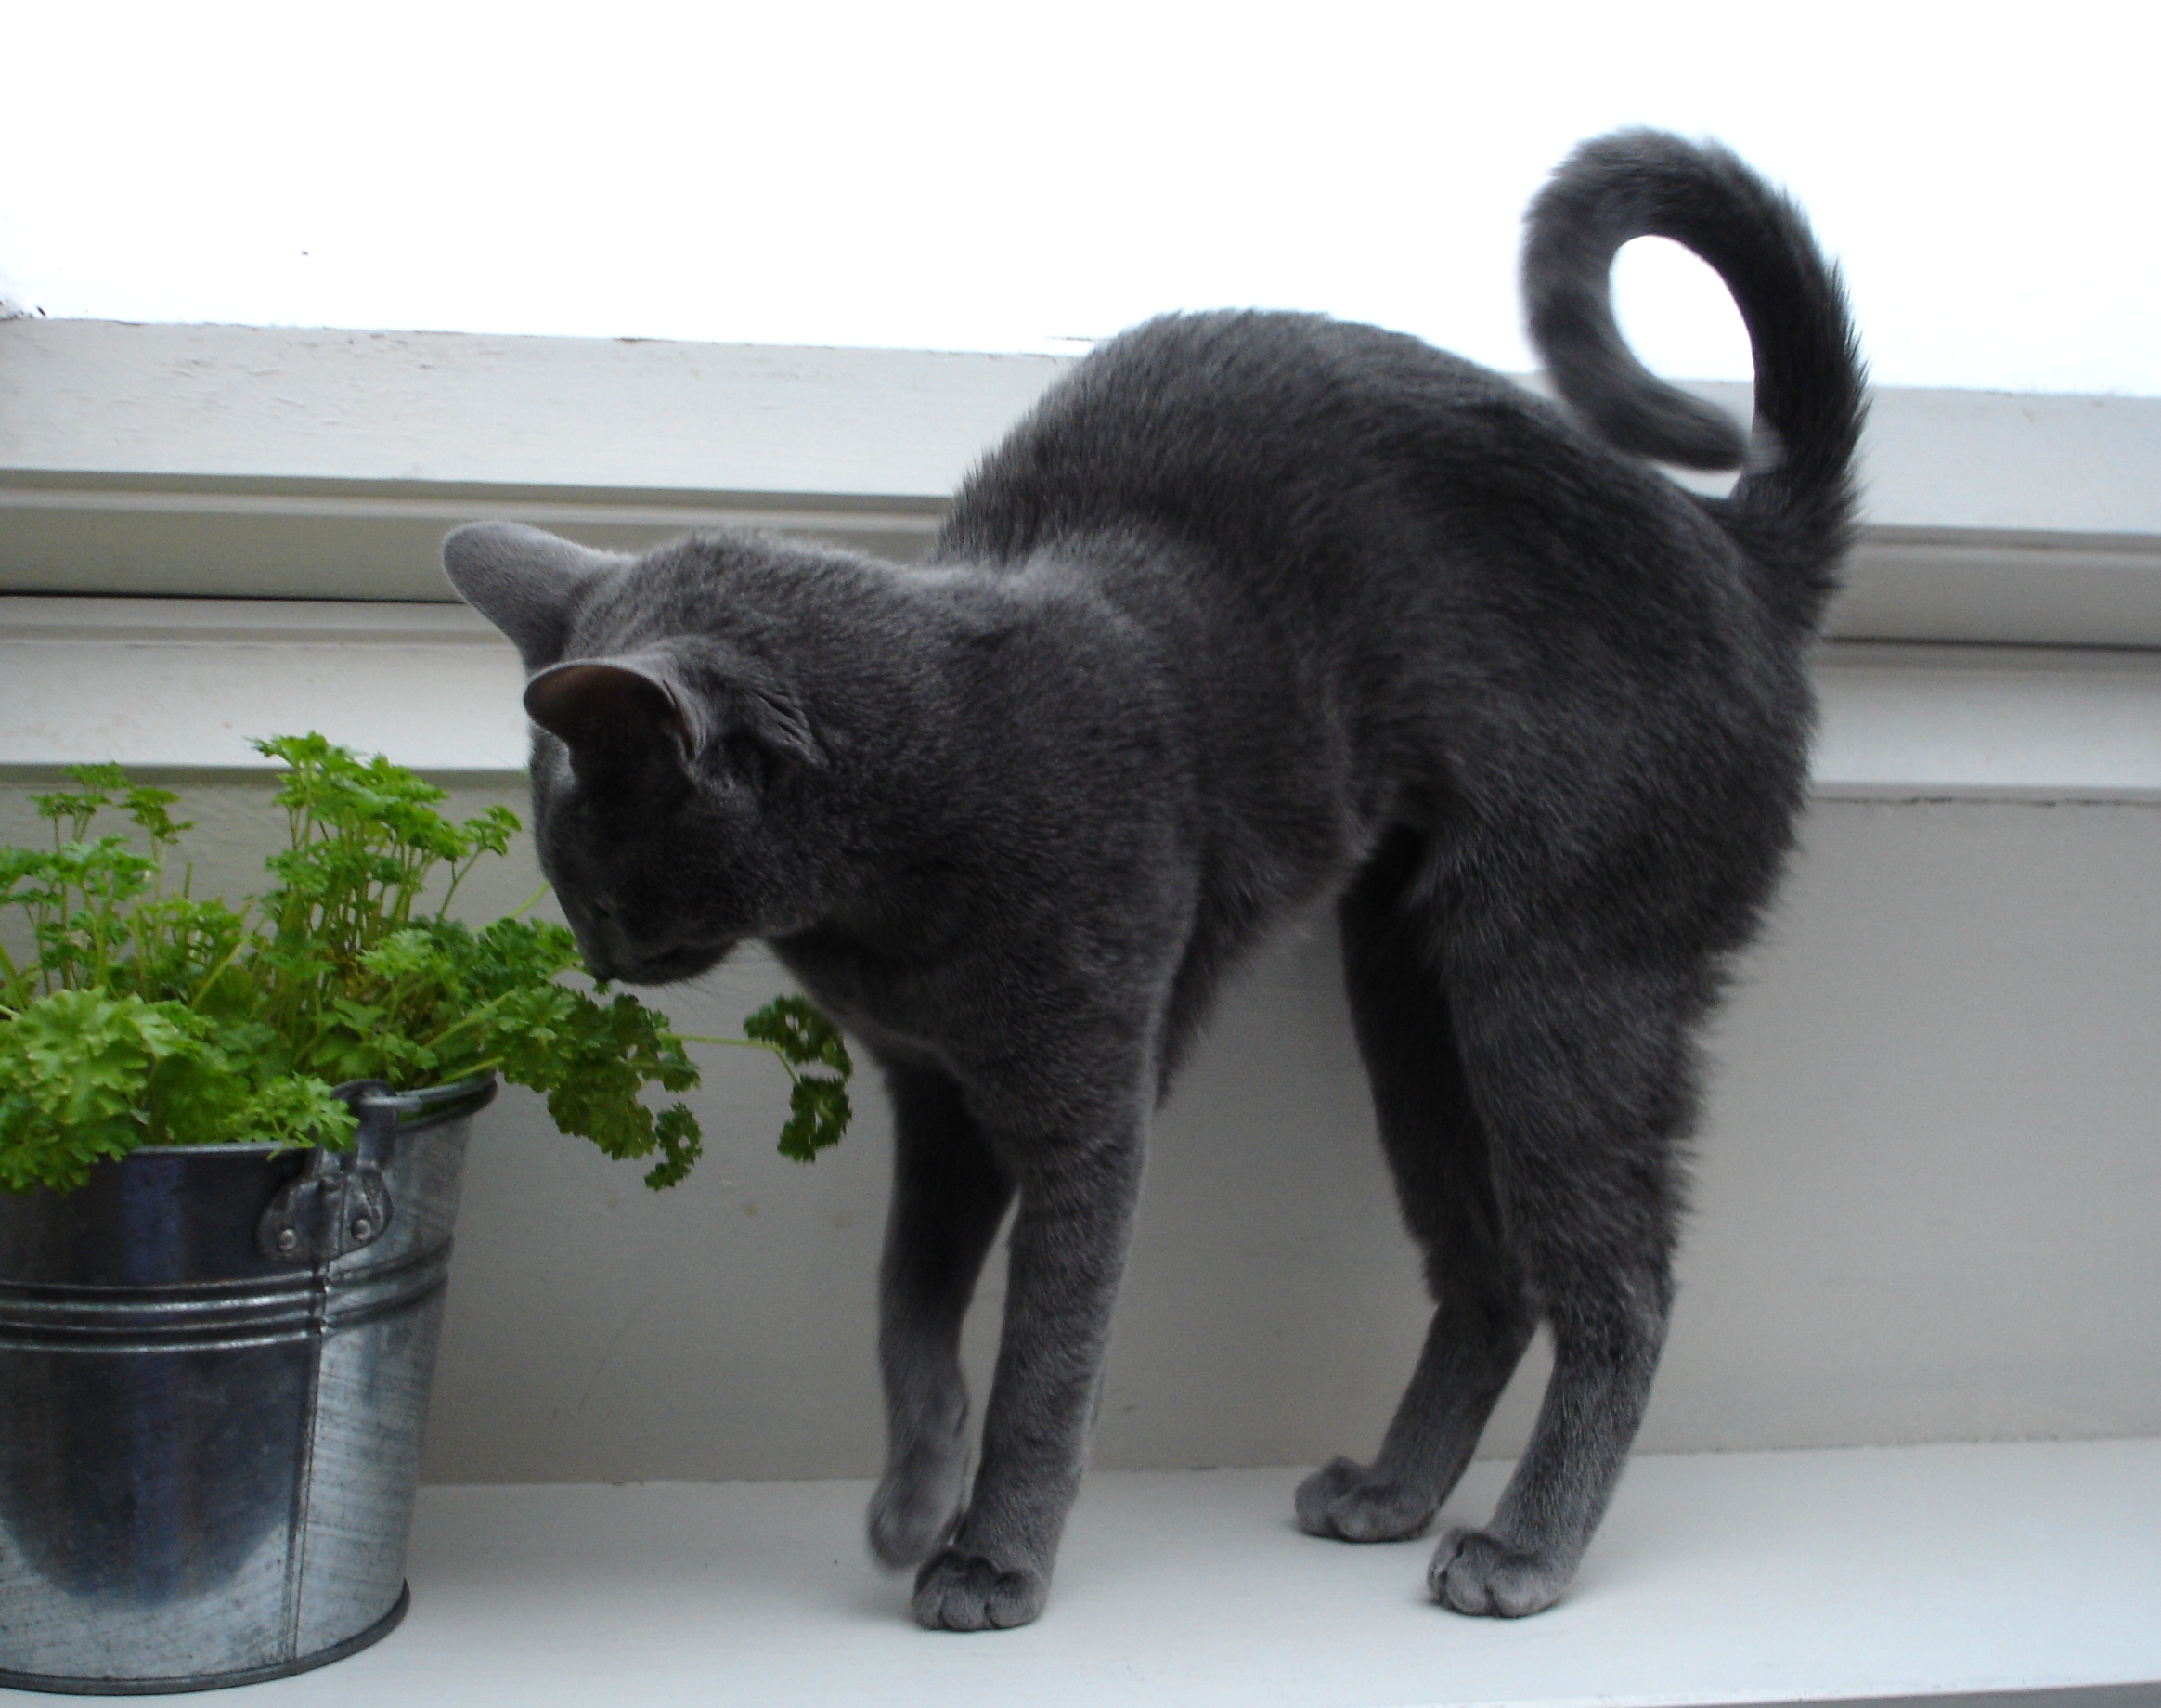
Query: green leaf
(680, 1145)
(146, 806)
(74, 1067)
(819, 1115)
(800, 1034)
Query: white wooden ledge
(273, 462)
(1946, 1576)
(161, 683)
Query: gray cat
(1253, 613)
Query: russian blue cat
(1253, 614)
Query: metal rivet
(362, 1227)
(288, 1240)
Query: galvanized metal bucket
(213, 1377)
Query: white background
(953, 174)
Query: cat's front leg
(1068, 1253)
(949, 1196)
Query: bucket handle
(341, 1202)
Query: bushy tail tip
(1796, 500)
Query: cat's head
(675, 764)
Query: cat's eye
(748, 760)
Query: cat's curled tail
(1793, 509)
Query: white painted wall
(1928, 1203)
(1928, 1207)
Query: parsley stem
(232, 954)
(460, 1024)
(773, 1050)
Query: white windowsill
(1943, 1574)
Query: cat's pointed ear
(526, 581)
(597, 705)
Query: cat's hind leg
(1581, 1067)
(949, 1197)
(1437, 1151)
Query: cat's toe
(1319, 1491)
(1345, 1500)
(1475, 1572)
(959, 1591)
(913, 1513)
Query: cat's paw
(915, 1508)
(1345, 1500)
(959, 1591)
(1475, 1572)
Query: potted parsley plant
(230, 1148)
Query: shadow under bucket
(215, 1364)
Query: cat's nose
(599, 936)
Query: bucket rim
(427, 1107)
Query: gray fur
(527, 582)
(1253, 614)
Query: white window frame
(207, 532)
